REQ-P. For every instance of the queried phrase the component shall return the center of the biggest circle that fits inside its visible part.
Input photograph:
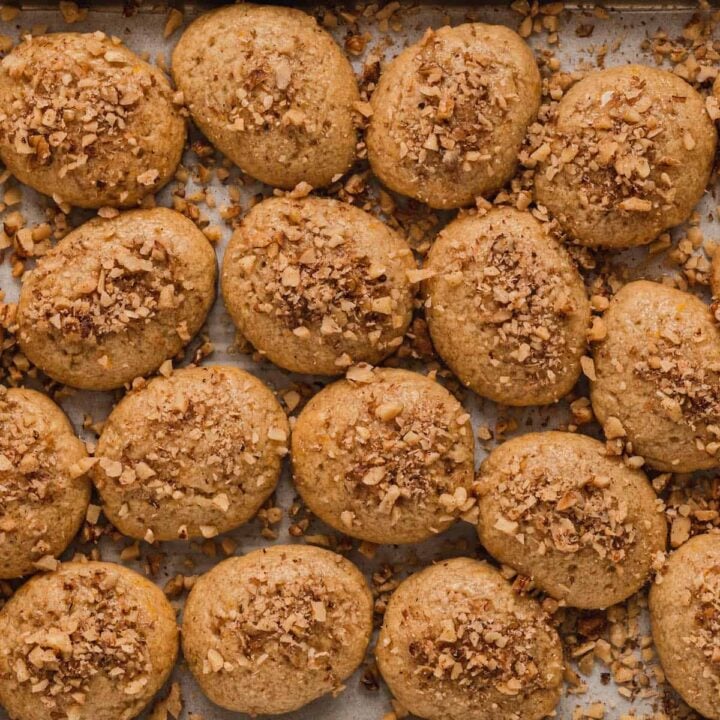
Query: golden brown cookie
(457, 643)
(272, 91)
(317, 284)
(450, 113)
(191, 455)
(91, 641)
(385, 455)
(44, 489)
(273, 630)
(658, 377)
(85, 120)
(115, 298)
(627, 155)
(685, 617)
(506, 307)
(583, 526)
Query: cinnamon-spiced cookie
(583, 526)
(90, 641)
(115, 298)
(506, 307)
(271, 631)
(191, 455)
(458, 643)
(316, 284)
(385, 455)
(450, 114)
(627, 155)
(657, 384)
(685, 618)
(271, 90)
(85, 120)
(44, 488)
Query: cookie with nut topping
(316, 284)
(86, 121)
(191, 455)
(116, 298)
(685, 621)
(385, 455)
(450, 114)
(90, 641)
(273, 630)
(44, 487)
(627, 155)
(271, 90)
(458, 643)
(657, 378)
(583, 526)
(506, 307)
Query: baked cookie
(450, 113)
(457, 643)
(581, 524)
(715, 276)
(685, 618)
(318, 284)
(44, 489)
(385, 455)
(657, 380)
(627, 155)
(272, 91)
(85, 120)
(115, 298)
(91, 641)
(506, 307)
(191, 455)
(271, 631)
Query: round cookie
(715, 276)
(450, 114)
(272, 91)
(685, 618)
(627, 155)
(44, 489)
(457, 643)
(581, 524)
(86, 121)
(658, 377)
(506, 307)
(91, 641)
(316, 285)
(273, 630)
(385, 455)
(191, 455)
(115, 298)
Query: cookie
(457, 643)
(272, 91)
(86, 121)
(657, 377)
(91, 641)
(627, 155)
(273, 630)
(450, 114)
(583, 526)
(44, 489)
(115, 298)
(506, 307)
(385, 455)
(685, 619)
(316, 285)
(191, 455)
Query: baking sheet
(624, 35)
